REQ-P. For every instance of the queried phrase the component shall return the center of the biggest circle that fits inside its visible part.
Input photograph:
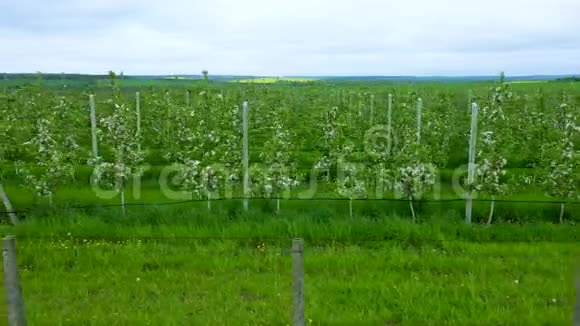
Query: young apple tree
(277, 173)
(55, 151)
(118, 132)
(490, 173)
(562, 165)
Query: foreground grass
(214, 270)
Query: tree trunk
(412, 210)
(350, 207)
(9, 209)
(491, 209)
(209, 201)
(123, 202)
(278, 206)
(562, 206)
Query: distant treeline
(569, 79)
(85, 81)
(54, 76)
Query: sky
(291, 38)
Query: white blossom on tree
(562, 177)
(413, 179)
(118, 132)
(491, 173)
(277, 173)
(54, 151)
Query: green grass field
(211, 270)
(166, 262)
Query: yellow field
(176, 77)
(271, 80)
(527, 81)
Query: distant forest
(569, 79)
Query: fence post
(298, 282)
(16, 316)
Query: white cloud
(300, 37)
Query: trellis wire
(232, 199)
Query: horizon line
(291, 76)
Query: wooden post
(471, 165)
(138, 109)
(298, 282)
(245, 155)
(8, 205)
(93, 125)
(16, 315)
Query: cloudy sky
(297, 37)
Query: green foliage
(319, 132)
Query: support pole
(245, 155)
(471, 165)
(138, 111)
(419, 123)
(16, 314)
(93, 125)
(298, 282)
